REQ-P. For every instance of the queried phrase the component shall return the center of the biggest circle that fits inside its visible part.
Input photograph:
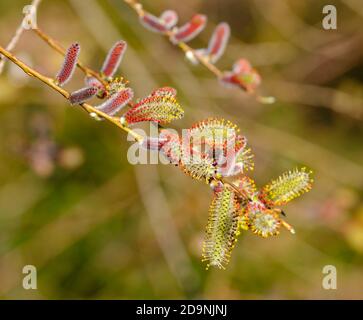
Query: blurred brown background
(97, 227)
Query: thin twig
(15, 39)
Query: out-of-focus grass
(90, 227)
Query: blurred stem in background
(190, 52)
(19, 31)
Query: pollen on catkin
(246, 186)
(201, 168)
(265, 223)
(160, 109)
(288, 186)
(213, 131)
(222, 228)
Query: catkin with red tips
(116, 102)
(160, 109)
(114, 58)
(69, 64)
(189, 30)
(218, 42)
(82, 95)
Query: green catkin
(222, 228)
(287, 187)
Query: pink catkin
(114, 58)
(218, 42)
(82, 95)
(190, 30)
(94, 82)
(153, 23)
(242, 75)
(169, 18)
(69, 64)
(117, 101)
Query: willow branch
(89, 108)
(50, 83)
(137, 7)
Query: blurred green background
(97, 227)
